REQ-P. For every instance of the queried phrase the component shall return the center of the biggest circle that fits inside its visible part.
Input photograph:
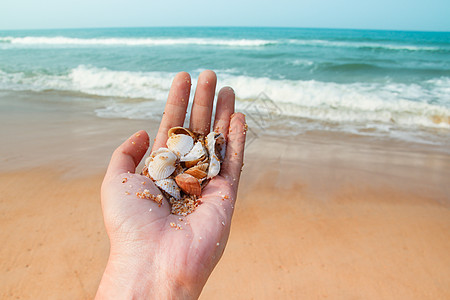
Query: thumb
(128, 155)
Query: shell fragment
(170, 187)
(216, 150)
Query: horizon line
(223, 26)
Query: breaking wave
(425, 104)
(154, 41)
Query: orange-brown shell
(189, 184)
(198, 171)
(180, 130)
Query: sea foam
(423, 104)
(154, 41)
(117, 41)
(360, 44)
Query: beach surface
(319, 216)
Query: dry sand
(321, 216)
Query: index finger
(176, 107)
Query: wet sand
(319, 216)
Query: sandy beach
(319, 216)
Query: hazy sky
(363, 14)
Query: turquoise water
(386, 83)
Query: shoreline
(78, 113)
(56, 128)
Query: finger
(224, 110)
(128, 155)
(203, 102)
(176, 106)
(234, 156)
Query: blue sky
(431, 15)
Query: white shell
(154, 153)
(214, 167)
(214, 162)
(162, 165)
(170, 187)
(196, 152)
(180, 144)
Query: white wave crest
(94, 81)
(425, 104)
(61, 40)
(153, 41)
(355, 44)
(397, 104)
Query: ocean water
(387, 84)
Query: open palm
(148, 243)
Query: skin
(149, 258)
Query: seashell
(214, 160)
(178, 170)
(189, 164)
(170, 187)
(189, 184)
(197, 153)
(154, 153)
(180, 144)
(214, 167)
(162, 165)
(198, 171)
(180, 130)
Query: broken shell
(196, 154)
(170, 187)
(198, 171)
(180, 144)
(162, 165)
(189, 184)
(192, 163)
(178, 170)
(214, 160)
(180, 130)
(214, 167)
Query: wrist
(131, 277)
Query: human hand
(155, 254)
